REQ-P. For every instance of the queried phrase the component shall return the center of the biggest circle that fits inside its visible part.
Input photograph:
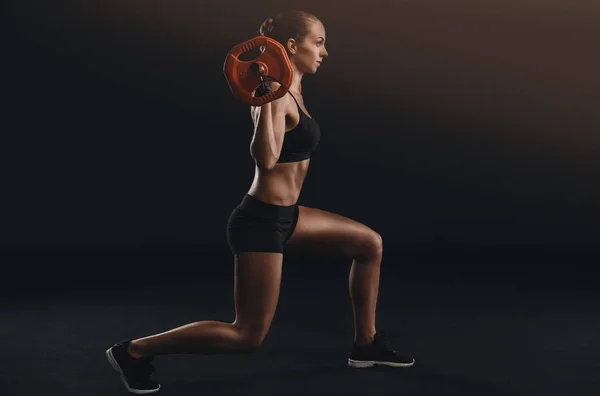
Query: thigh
(257, 280)
(252, 231)
(320, 231)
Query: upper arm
(269, 128)
(276, 117)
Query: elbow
(264, 159)
(266, 163)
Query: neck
(296, 80)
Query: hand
(263, 89)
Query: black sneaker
(379, 353)
(135, 373)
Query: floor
(474, 325)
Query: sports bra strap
(294, 99)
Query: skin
(258, 275)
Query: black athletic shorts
(257, 226)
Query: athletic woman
(269, 217)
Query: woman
(268, 218)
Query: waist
(281, 185)
(264, 209)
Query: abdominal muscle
(280, 185)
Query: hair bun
(267, 27)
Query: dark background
(460, 126)
(465, 132)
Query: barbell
(249, 80)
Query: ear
(291, 46)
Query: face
(308, 54)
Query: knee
(372, 245)
(250, 341)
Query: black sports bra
(300, 142)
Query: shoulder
(281, 103)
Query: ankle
(133, 349)
(364, 339)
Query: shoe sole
(373, 363)
(113, 362)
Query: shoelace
(145, 369)
(149, 369)
(384, 341)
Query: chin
(311, 70)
